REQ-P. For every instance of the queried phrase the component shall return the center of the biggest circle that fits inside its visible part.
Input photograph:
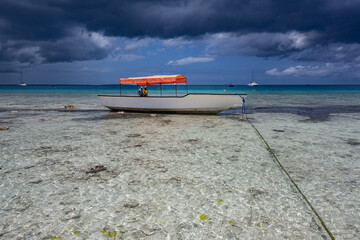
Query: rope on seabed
(292, 180)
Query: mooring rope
(292, 180)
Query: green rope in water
(294, 183)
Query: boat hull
(190, 103)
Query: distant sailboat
(21, 84)
(253, 83)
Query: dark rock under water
(314, 114)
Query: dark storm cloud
(78, 46)
(337, 20)
(32, 20)
(332, 53)
(260, 44)
(38, 31)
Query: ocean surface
(172, 176)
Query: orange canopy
(151, 80)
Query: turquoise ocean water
(268, 98)
(179, 176)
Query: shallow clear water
(322, 155)
(178, 176)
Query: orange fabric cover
(151, 80)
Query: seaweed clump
(204, 217)
(111, 234)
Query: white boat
(253, 84)
(190, 103)
(203, 103)
(22, 84)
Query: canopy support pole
(120, 89)
(176, 88)
(160, 89)
(187, 90)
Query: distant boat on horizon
(231, 85)
(253, 83)
(21, 84)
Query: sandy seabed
(175, 176)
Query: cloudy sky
(208, 41)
